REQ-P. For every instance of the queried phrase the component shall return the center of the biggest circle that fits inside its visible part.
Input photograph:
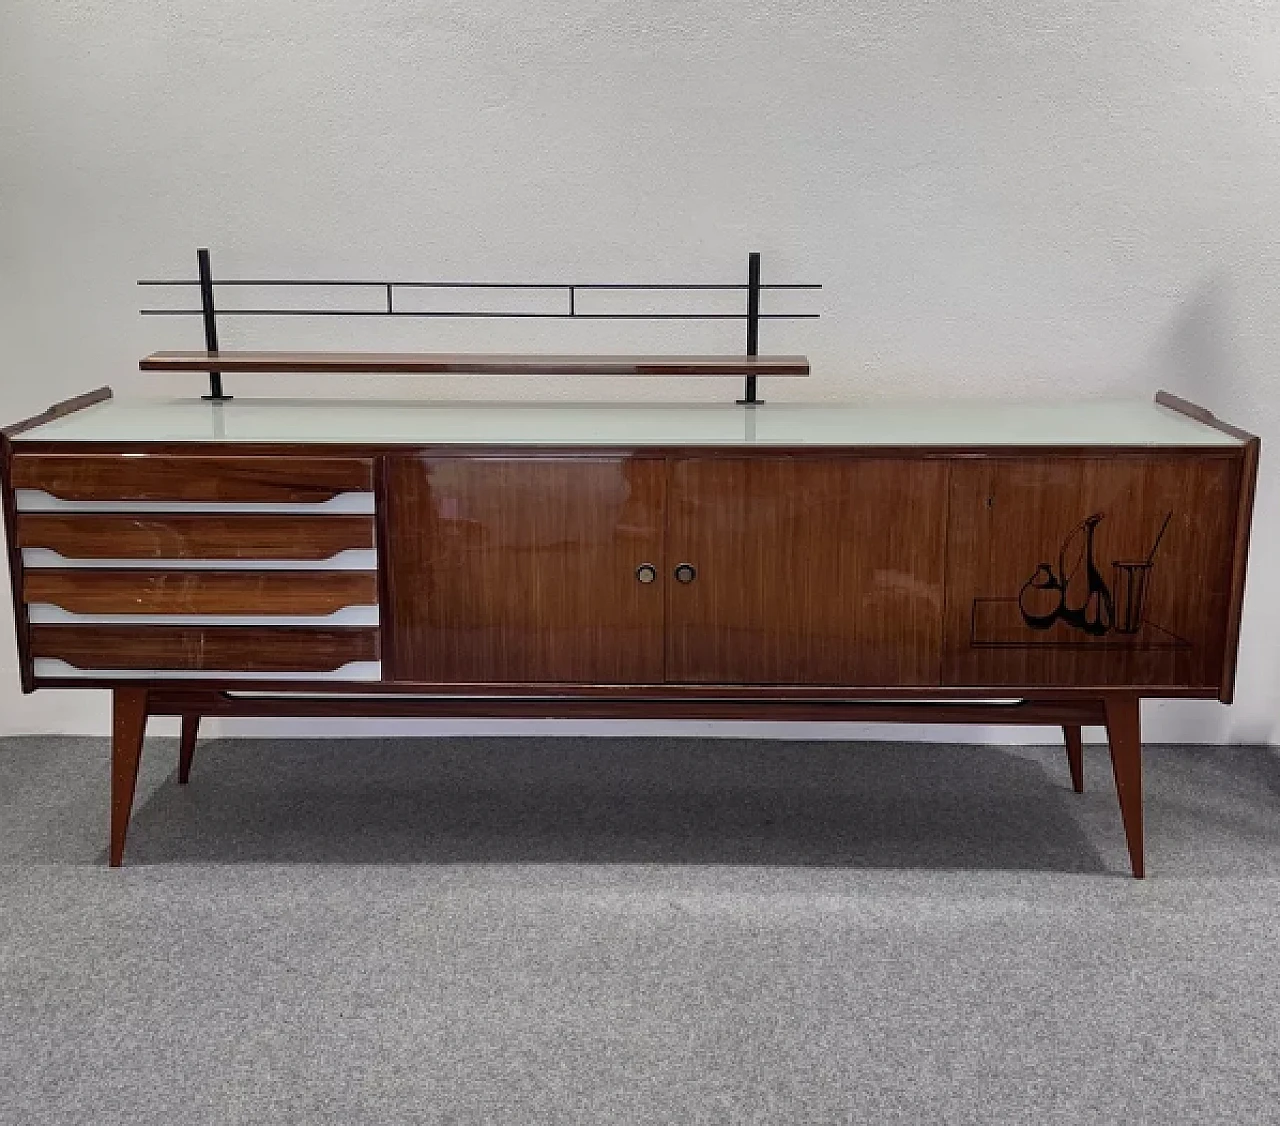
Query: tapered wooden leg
(1125, 736)
(1075, 758)
(187, 747)
(128, 725)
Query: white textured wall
(1030, 199)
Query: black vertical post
(749, 398)
(210, 323)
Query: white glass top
(420, 422)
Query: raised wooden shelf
(468, 363)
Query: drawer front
(198, 567)
(260, 649)
(140, 592)
(108, 477)
(92, 535)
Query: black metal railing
(751, 316)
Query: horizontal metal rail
(751, 314)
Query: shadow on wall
(1195, 357)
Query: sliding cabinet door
(524, 570)
(806, 571)
(1090, 572)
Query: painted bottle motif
(1087, 603)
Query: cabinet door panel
(1086, 572)
(524, 569)
(808, 571)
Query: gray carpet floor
(636, 931)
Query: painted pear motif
(1076, 593)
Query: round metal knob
(686, 573)
(646, 572)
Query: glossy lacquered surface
(510, 569)
(801, 562)
(250, 578)
(1158, 536)
(473, 363)
(807, 572)
(421, 422)
(151, 477)
(194, 648)
(852, 571)
(203, 536)
(137, 591)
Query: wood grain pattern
(1239, 567)
(1010, 517)
(224, 648)
(827, 572)
(1124, 734)
(8, 506)
(1244, 521)
(169, 475)
(135, 591)
(187, 747)
(1054, 706)
(82, 535)
(128, 729)
(1075, 756)
(517, 569)
(201, 700)
(469, 363)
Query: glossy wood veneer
(128, 728)
(470, 363)
(173, 476)
(201, 700)
(1239, 565)
(134, 591)
(9, 509)
(1008, 518)
(83, 535)
(1212, 490)
(226, 648)
(807, 572)
(512, 569)
(1243, 526)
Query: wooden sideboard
(985, 563)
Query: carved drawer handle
(686, 573)
(646, 573)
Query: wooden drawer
(84, 535)
(106, 477)
(260, 649)
(155, 566)
(137, 591)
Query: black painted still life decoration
(1077, 594)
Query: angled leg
(1075, 758)
(1125, 736)
(187, 747)
(128, 725)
